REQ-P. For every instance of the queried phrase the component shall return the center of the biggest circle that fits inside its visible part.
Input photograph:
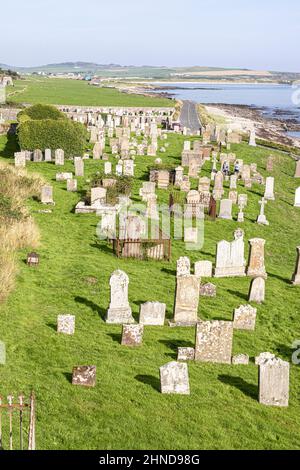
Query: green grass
(76, 92)
(125, 410)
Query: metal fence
(17, 423)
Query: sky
(256, 34)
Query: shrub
(54, 134)
(41, 111)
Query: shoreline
(244, 118)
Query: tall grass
(17, 229)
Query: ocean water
(276, 100)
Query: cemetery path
(189, 117)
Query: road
(189, 116)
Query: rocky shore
(267, 127)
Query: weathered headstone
(203, 269)
(274, 382)
(244, 317)
(152, 313)
(132, 335)
(47, 194)
(230, 260)
(66, 324)
(240, 359)
(269, 190)
(71, 185)
(79, 166)
(59, 157)
(225, 209)
(84, 375)
(257, 290)
(119, 309)
(185, 354)
(297, 197)
(208, 290)
(48, 155)
(214, 341)
(186, 301)
(183, 266)
(256, 266)
(174, 378)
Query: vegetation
(125, 410)
(17, 229)
(42, 127)
(76, 92)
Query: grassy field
(76, 92)
(125, 410)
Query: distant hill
(153, 72)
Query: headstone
(84, 375)
(128, 168)
(263, 357)
(132, 335)
(63, 176)
(79, 166)
(37, 156)
(269, 191)
(244, 317)
(48, 155)
(257, 290)
(214, 341)
(98, 196)
(178, 176)
(47, 194)
(119, 309)
(97, 150)
(183, 266)
(297, 197)
(185, 354)
(208, 290)
(297, 171)
(203, 269)
(163, 179)
(152, 313)
(174, 378)
(256, 266)
(274, 382)
(270, 163)
(230, 260)
(240, 359)
(225, 209)
(186, 301)
(20, 159)
(296, 276)
(59, 157)
(218, 190)
(71, 185)
(66, 324)
(107, 168)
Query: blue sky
(259, 34)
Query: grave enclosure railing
(157, 249)
(17, 423)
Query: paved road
(189, 116)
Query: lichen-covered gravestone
(185, 354)
(119, 309)
(84, 375)
(244, 317)
(174, 378)
(208, 290)
(256, 266)
(214, 341)
(183, 266)
(59, 157)
(152, 313)
(132, 335)
(66, 324)
(274, 382)
(186, 301)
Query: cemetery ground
(76, 92)
(126, 409)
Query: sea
(274, 100)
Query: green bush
(48, 133)
(39, 112)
